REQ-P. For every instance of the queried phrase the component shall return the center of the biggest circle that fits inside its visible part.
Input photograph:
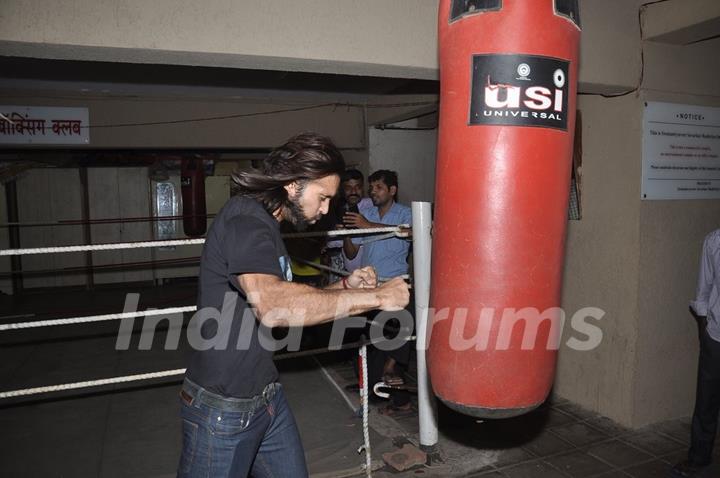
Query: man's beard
(296, 215)
(377, 202)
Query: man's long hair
(303, 158)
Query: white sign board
(43, 125)
(681, 152)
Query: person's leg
(707, 402)
(281, 453)
(218, 443)
(396, 366)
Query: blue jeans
(220, 441)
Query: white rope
(350, 232)
(128, 315)
(180, 371)
(91, 383)
(100, 247)
(365, 412)
(396, 230)
(97, 318)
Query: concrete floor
(133, 430)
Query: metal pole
(87, 234)
(11, 199)
(422, 247)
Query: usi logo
(519, 90)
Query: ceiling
(148, 80)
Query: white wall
(49, 195)
(120, 193)
(409, 153)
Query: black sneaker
(688, 469)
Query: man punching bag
(508, 84)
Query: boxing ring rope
(179, 262)
(92, 222)
(396, 230)
(96, 318)
(170, 373)
(421, 241)
(365, 413)
(101, 247)
(90, 383)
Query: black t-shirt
(243, 238)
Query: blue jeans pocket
(189, 440)
(225, 424)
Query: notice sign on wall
(681, 152)
(43, 125)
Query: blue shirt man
(387, 256)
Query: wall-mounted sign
(43, 125)
(681, 152)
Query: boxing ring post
(422, 248)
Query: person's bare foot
(390, 377)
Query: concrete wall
(601, 267)
(637, 260)
(344, 125)
(671, 236)
(334, 36)
(412, 155)
(120, 193)
(48, 195)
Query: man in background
(351, 200)
(389, 258)
(706, 308)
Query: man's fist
(394, 294)
(363, 278)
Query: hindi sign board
(681, 152)
(43, 125)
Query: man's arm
(279, 303)
(350, 248)
(355, 219)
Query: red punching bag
(508, 84)
(192, 184)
